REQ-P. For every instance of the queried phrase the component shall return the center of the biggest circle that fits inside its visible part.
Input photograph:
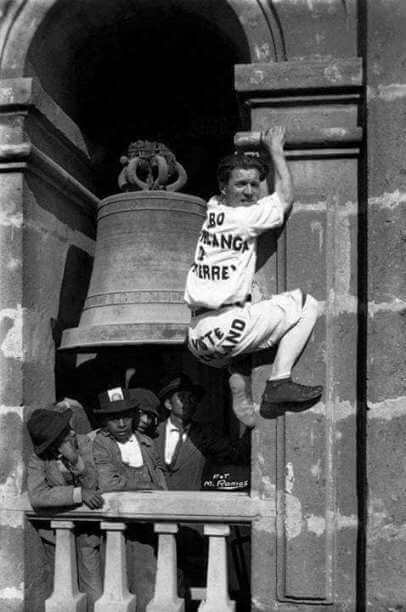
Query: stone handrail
(165, 510)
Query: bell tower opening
(161, 71)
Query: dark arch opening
(163, 70)
(160, 71)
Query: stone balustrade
(217, 511)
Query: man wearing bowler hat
(185, 446)
(61, 473)
(126, 460)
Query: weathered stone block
(347, 445)
(386, 356)
(386, 584)
(316, 29)
(386, 48)
(387, 249)
(12, 574)
(387, 477)
(297, 75)
(386, 144)
(345, 555)
(306, 243)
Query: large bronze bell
(144, 248)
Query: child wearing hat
(146, 420)
(126, 460)
(61, 473)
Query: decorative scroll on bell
(145, 243)
(151, 165)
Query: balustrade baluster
(66, 595)
(116, 596)
(166, 589)
(217, 598)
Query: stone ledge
(337, 73)
(27, 92)
(174, 506)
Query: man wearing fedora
(126, 460)
(184, 444)
(61, 474)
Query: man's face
(243, 187)
(120, 426)
(145, 421)
(66, 440)
(183, 405)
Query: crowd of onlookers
(142, 441)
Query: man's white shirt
(225, 256)
(172, 437)
(131, 452)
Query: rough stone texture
(54, 232)
(42, 224)
(386, 361)
(387, 516)
(12, 577)
(318, 28)
(386, 418)
(387, 252)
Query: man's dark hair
(241, 161)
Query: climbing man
(225, 323)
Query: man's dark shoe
(285, 391)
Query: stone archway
(22, 20)
(50, 43)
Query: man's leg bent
(293, 342)
(280, 389)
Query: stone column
(116, 596)
(305, 462)
(384, 220)
(166, 588)
(217, 597)
(47, 206)
(11, 379)
(66, 594)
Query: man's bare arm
(273, 140)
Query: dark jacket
(49, 486)
(202, 443)
(114, 475)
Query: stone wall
(47, 237)
(386, 452)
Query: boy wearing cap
(61, 473)
(126, 460)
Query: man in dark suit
(185, 445)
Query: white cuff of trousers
(77, 495)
